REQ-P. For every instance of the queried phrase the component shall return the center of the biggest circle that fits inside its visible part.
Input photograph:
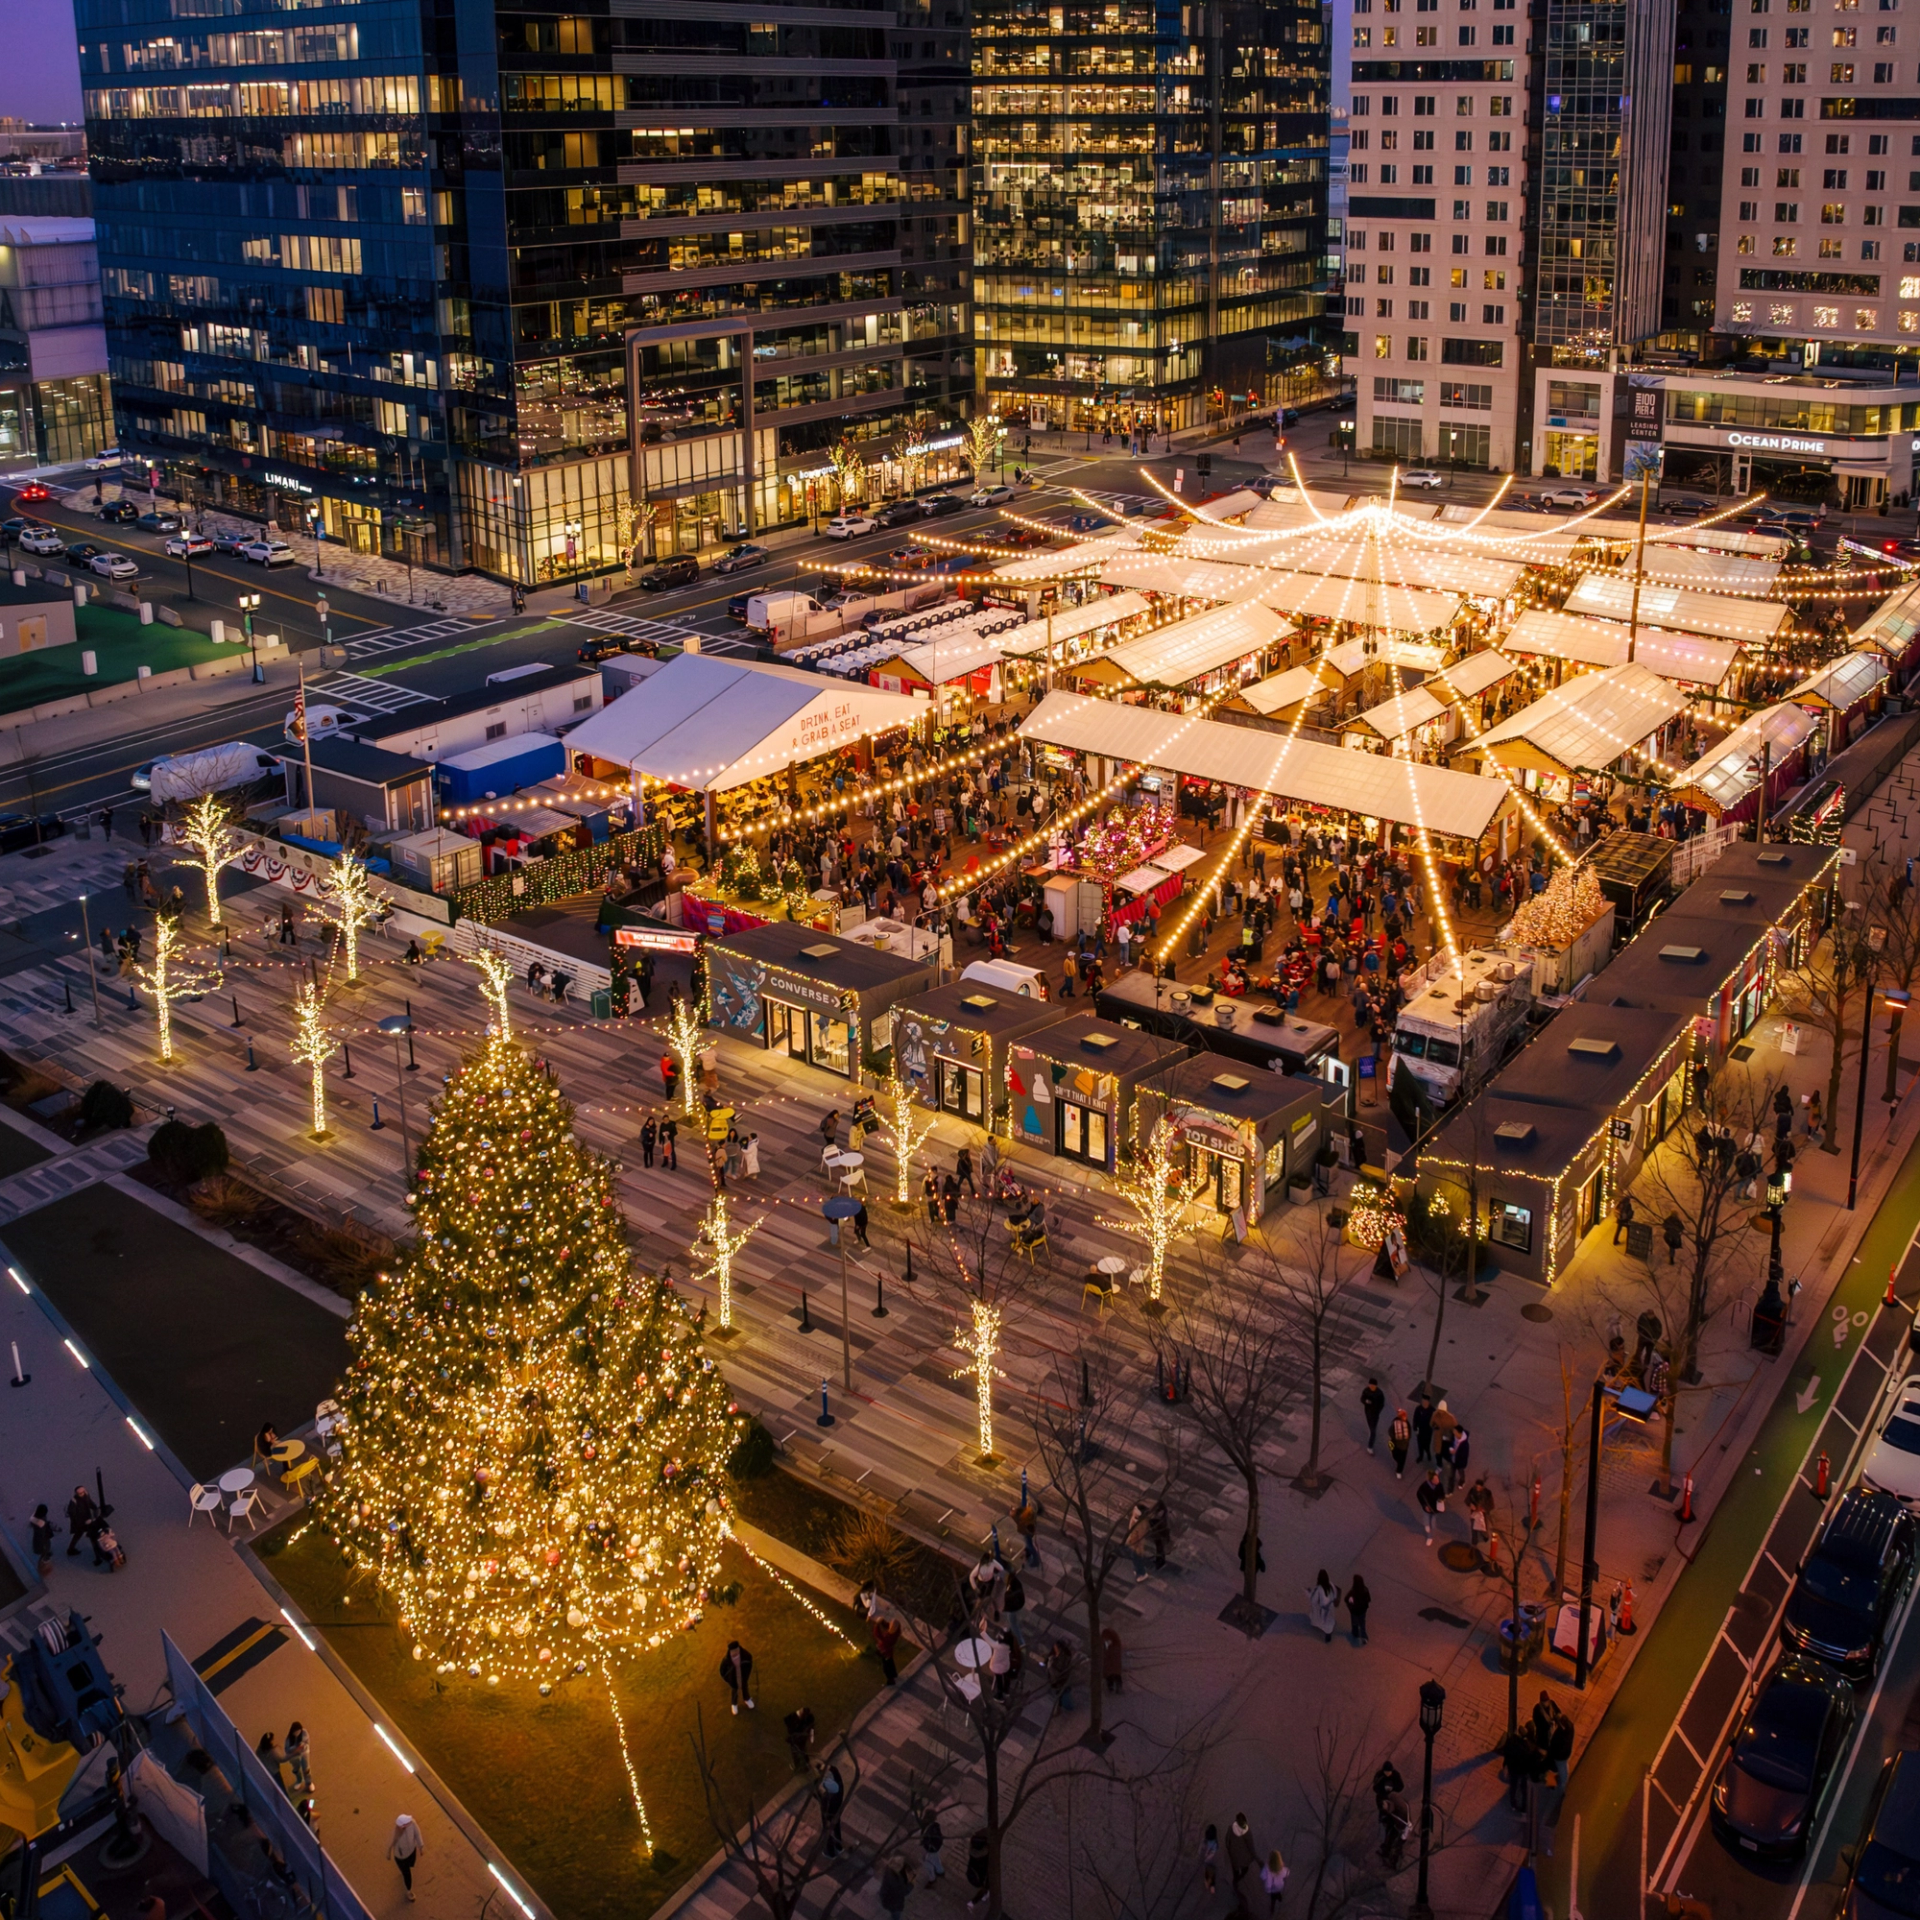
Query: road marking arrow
(1808, 1394)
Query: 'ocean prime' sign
(1776, 443)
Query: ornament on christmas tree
(1570, 904)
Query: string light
(496, 977)
(981, 1342)
(685, 1034)
(906, 1132)
(842, 803)
(722, 1244)
(313, 1046)
(774, 1573)
(352, 903)
(1159, 1194)
(168, 978)
(210, 830)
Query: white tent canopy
(1610, 595)
(1722, 777)
(1690, 658)
(1461, 805)
(1590, 722)
(1173, 655)
(1074, 559)
(1725, 572)
(1476, 673)
(712, 724)
(1068, 623)
(1351, 656)
(1282, 690)
(1841, 683)
(1395, 718)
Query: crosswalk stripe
(378, 696)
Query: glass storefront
(963, 1089)
(807, 1033)
(1084, 1133)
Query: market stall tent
(1394, 719)
(1069, 623)
(1724, 615)
(1842, 683)
(1727, 779)
(1442, 800)
(1584, 726)
(1688, 658)
(1176, 654)
(1893, 625)
(711, 724)
(1468, 678)
(1281, 694)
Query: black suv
(119, 512)
(678, 570)
(1885, 1881)
(1851, 1582)
(900, 513)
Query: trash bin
(602, 1003)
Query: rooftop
(1679, 962)
(1240, 1091)
(353, 760)
(1590, 1056)
(1085, 1040)
(822, 956)
(978, 1008)
(1516, 1136)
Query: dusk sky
(40, 77)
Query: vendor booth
(1721, 616)
(1200, 652)
(810, 995)
(1689, 659)
(1071, 1086)
(1585, 726)
(1846, 691)
(951, 1045)
(1247, 1136)
(1724, 783)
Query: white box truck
(1458, 1026)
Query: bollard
(236, 1021)
(1493, 1553)
(133, 1000)
(1686, 1499)
(1890, 1298)
(379, 1125)
(253, 1065)
(67, 987)
(1626, 1629)
(1025, 1502)
(806, 1325)
(1822, 1474)
(346, 1054)
(879, 1298)
(826, 1412)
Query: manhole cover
(1460, 1557)
(1533, 1310)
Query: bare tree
(1138, 1864)
(1086, 1450)
(1305, 1257)
(1695, 1177)
(1895, 907)
(1232, 1350)
(1336, 1867)
(1822, 992)
(788, 1848)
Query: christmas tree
(533, 1437)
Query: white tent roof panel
(1447, 802)
(1592, 720)
(1104, 610)
(1171, 656)
(1841, 683)
(1287, 689)
(1400, 715)
(1082, 554)
(1610, 595)
(1687, 657)
(1726, 775)
(1477, 672)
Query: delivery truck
(187, 776)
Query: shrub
(187, 1154)
(225, 1201)
(753, 1456)
(104, 1105)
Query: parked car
(119, 512)
(606, 645)
(231, 540)
(953, 563)
(1884, 1883)
(184, 546)
(1289, 417)
(1851, 1583)
(909, 556)
(990, 496)
(268, 553)
(942, 504)
(19, 830)
(845, 526)
(1688, 506)
(158, 522)
(740, 559)
(1020, 536)
(105, 460)
(32, 491)
(678, 570)
(80, 553)
(113, 566)
(40, 540)
(1087, 522)
(1783, 1761)
(1573, 497)
(897, 513)
(1423, 477)
(1803, 519)
(737, 606)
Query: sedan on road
(81, 552)
(231, 540)
(268, 553)
(740, 559)
(1423, 477)
(942, 504)
(898, 513)
(1892, 1463)
(158, 522)
(989, 496)
(19, 830)
(33, 491)
(1573, 497)
(114, 566)
(41, 540)
(1783, 1760)
(679, 570)
(185, 546)
(846, 526)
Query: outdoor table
(236, 1480)
(288, 1451)
(849, 1160)
(974, 1653)
(1112, 1265)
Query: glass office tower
(382, 267)
(1150, 202)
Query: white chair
(201, 1499)
(327, 1410)
(1137, 1275)
(247, 1501)
(855, 1180)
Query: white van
(1009, 976)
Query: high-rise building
(1698, 149)
(1149, 203)
(56, 404)
(413, 274)
(1504, 216)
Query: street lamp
(395, 1024)
(574, 530)
(1876, 939)
(1894, 999)
(313, 527)
(93, 978)
(1433, 1700)
(249, 606)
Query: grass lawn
(123, 645)
(205, 1346)
(18, 1152)
(544, 1777)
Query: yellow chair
(1102, 1296)
(298, 1476)
(1029, 1246)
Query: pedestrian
(1160, 1531)
(83, 1523)
(270, 1757)
(300, 1757)
(1673, 1231)
(750, 1157)
(1432, 1497)
(799, 1724)
(1399, 1438)
(1112, 1659)
(649, 1133)
(830, 1133)
(886, 1636)
(860, 1225)
(1560, 1747)
(985, 1581)
(1373, 1403)
(1445, 1420)
(1210, 1860)
(932, 1841)
(930, 1192)
(669, 1075)
(950, 1199)
(404, 1849)
(1517, 1754)
(833, 1805)
(1322, 1598)
(669, 1148)
(1443, 1458)
(895, 1885)
(1027, 1521)
(1012, 1603)
(1622, 1217)
(42, 1532)
(977, 1864)
(1240, 1848)
(1462, 1453)
(1059, 1670)
(1479, 1514)
(963, 1171)
(1359, 1599)
(1273, 1877)
(736, 1669)
(1423, 1430)
(1137, 1537)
